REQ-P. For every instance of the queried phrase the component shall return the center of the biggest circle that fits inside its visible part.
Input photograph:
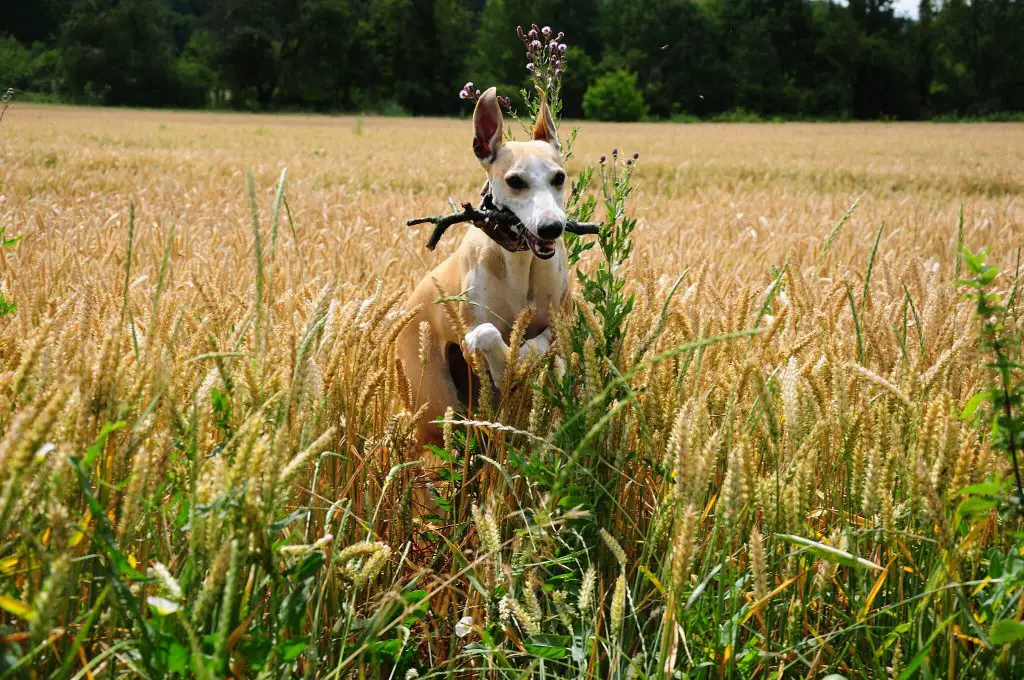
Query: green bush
(614, 96)
(738, 115)
(15, 65)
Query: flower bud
(468, 86)
(532, 34)
(603, 159)
(530, 67)
(559, 36)
(615, 153)
(636, 156)
(519, 33)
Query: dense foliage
(789, 58)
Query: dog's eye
(515, 182)
(559, 179)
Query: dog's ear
(545, 130)
(487, 127)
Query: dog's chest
(511, 284)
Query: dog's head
(527, 178)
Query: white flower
(464, 627)
(163, 607)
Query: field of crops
(753, 466)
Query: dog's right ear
(487, 127)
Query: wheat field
(206, 459)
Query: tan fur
(500, 284)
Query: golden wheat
(253, 365)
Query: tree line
(626, 59)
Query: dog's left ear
(545, 130)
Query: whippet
(528, 179)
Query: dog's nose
(549, 231)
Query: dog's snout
(549, 231)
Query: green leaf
(96, 448)
(1006, 631)
(291, 649)
(830, 554)
(925, 650)
(975, 506)
(548, 646)
(177, 659)
(991, 487)
(973, 403)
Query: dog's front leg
(487, 339)
(536, 346)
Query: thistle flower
(546, 31)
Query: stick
(481, 216)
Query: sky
(906, 7)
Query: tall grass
(207, 468)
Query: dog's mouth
(542, 248)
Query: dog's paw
(484, 337)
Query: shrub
(738, 115)
(614, 96)
(15, 64)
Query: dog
(528, 179)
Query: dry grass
(859, 448)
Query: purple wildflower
(636, 156)
(562, 47)
(532, 34)
(546, 31)
(615, 153)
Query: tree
(119, 52)
(615, 96)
